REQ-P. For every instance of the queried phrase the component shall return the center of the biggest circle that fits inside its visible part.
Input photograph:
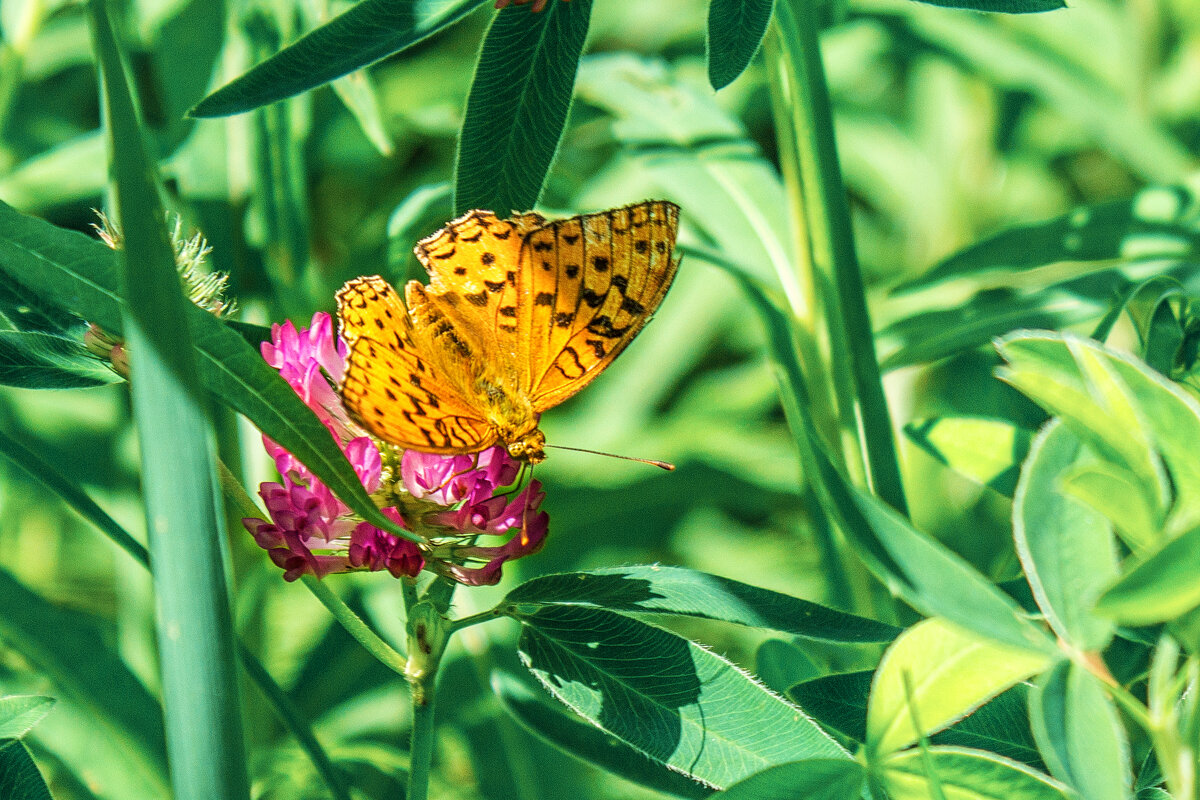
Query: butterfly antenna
(668, 466)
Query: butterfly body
(518, 315)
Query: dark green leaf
(678, 703)
(676, 590)
(80, 274)
(811, 779)
(1066, 548)
(584, 740)
(988, 451)
(518, 106)
(1001, 6)
(1079, 733)
(29, 311)
(33, 360)
(735, 30)
(365, 33)
(1155, 223)
(781, 665)
(19, 776)
(19, 713)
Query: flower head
(451, 500)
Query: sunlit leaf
(962, 774)
(988, 451)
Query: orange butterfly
(519, 315)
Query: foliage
(1003, 603)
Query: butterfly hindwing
(393, 385)
(594, 282)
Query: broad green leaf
(680, 704)
(735, 30)
(1159, 588)
(1000, 726)
(69, 172)
(1001, 6)
(70, 650)
(1079, 733)
(1123, 410)
(963, 774)
(988, 451)
(518, 106)
(79, 274)
(811, 779)
(1155, 223)
(19, 713)
(584, 740)
(656, 589)
(1065, 547)
(19, 776)
(365, 33)
(781, 665)
(32, 360)
(184, 515)
(1114, 493)
(952, 672)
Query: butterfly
(519, 314)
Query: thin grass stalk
(805, 101)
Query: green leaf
(781, 665)
(1001, 6)
(988, 451)
(29, 311)
(1156, 223)
(1122, 409)
(77, 273)
(963, 774)
(680, 704)
(1159, 588)
(1080, 734)
(19, 713)
(19, 776)
(1115, 494)
(952, 672)
(365, 33)
(586, 741)
(32, 360)
(811, 779)
(518, 106)
(1065, 547)
(677, 590)
(68, 649)
(735, 30)
(184, 518)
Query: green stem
(354, 625)
(803, 98)
(421, 744)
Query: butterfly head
(530, 447)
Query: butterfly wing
(589, 285)
(397, 384)
(473, 267)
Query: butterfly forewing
(472, 265)
(396, 384)
(594, 282)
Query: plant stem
(800, 93)
(421, 746)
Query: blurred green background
(951, 126)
